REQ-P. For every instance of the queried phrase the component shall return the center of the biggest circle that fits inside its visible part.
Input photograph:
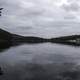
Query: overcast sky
(42, 17)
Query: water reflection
(33, 71)
(1, 72)
(41, 61)
(6, 45)
(68, 43)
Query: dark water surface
(44, 61)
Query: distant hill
(71, 37)
(5, 35)
(14, 39)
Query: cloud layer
(33, 15)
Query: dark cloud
(71, 6)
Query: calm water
(43, 18)
(38, 61)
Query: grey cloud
(71, 1)
(69, 17)
(71, 6)
(40, 18)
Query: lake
(44, 61)
(46, 19)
